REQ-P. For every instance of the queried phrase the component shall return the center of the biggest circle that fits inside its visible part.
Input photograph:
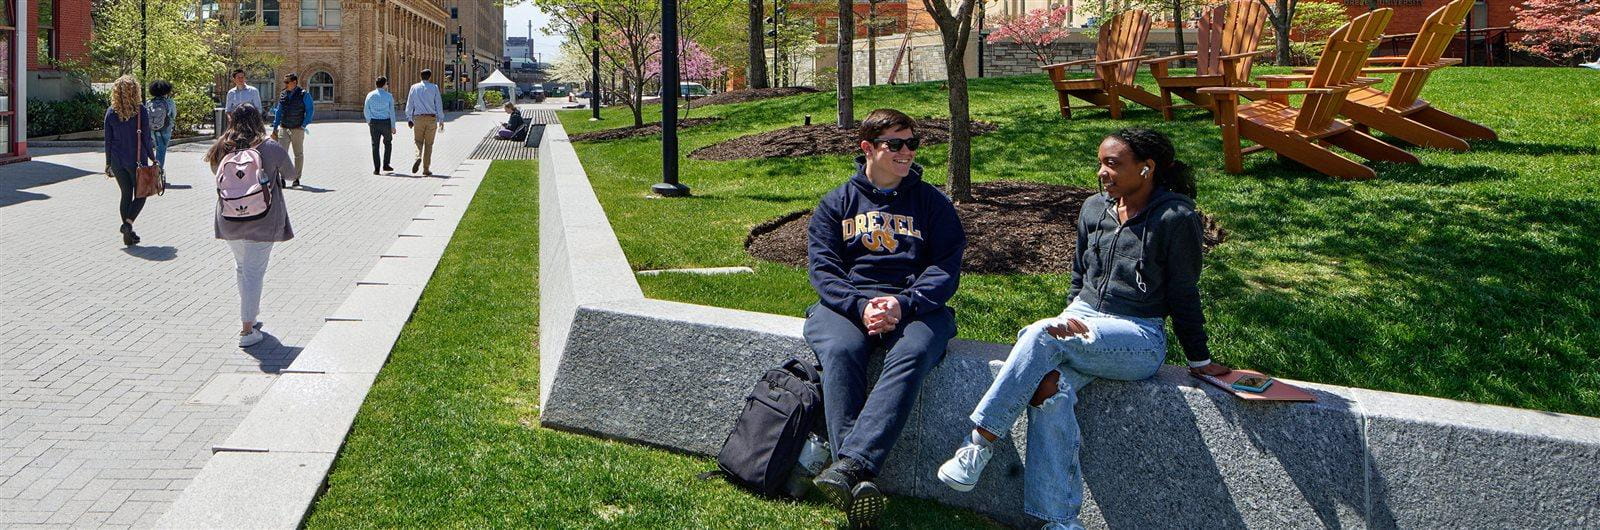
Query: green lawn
(1470, 276)
(449, 435)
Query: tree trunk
(1177, 24)
(846, 77)
(1280, 24)
(872, 43)
(756, 74)
(956, 28)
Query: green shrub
(466, 98)
(83, 112)
(493, 99)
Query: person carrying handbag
(129, 153)
(250, 215)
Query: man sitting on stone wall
(885, 257)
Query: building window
(321, 86)
(319, 13)
(266, 9)
(46, 50)
(266, 85)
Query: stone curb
(270, 470)
(1162, 452)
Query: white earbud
(1145, 172)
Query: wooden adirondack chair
(1301, 134)
(1228, 35)
(1116, 60)
(1399, 111)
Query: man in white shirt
(424, 107)
(241, 94)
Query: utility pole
(594, 92)
(669, 186)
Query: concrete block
(348, 347)
(305, 413)
(676, 380)
(386, 303)
(434, 228)
(418, 247)
(402, 271)
(250, 490)
(1447, 464)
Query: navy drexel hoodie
(906, 242)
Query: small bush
(83, 112)
(493, 99)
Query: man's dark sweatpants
(865, 426)
(381, 130)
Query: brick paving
(103, 349)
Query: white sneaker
(962, 470)
(1059, 526)
(247, 340)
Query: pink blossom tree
(1559, 30)
(694, 64)
(1036, 31)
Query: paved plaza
(118, 366)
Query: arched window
(321, 86)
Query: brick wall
(1409, 14)
(74, 27)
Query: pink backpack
(243, 192)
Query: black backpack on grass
(781, 411)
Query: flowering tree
(1560, 30)
(1036, 31)
(694, 64)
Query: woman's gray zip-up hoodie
(1148, 267)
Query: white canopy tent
(495, 79)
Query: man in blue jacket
(885, 257)
(293, 112)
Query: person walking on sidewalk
(241, 94)
(251, 221)
(129, 145)
(163, 114)
(424, 107)
(379, 112)
(293, 113)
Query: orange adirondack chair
(1228, 35)
(1399, 111)
(1116, 60)
(1301, 133)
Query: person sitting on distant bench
(509, 129)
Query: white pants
(250, 262)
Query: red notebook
(1279, 391)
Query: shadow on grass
(1533, 149)
(1446, 293)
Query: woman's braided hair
(1148, 144)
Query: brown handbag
(147, 179)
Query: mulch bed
(1012, 227)
(818, 139)
(649, 129)
(741, 96)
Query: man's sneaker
(838, 480)
(388, 169)
(417, 165)
(866, 505)
(961, 471)
(252, 338)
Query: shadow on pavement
(152, 253)
(310, 189)
(33, 174)
(272, 354)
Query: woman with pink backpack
(251, 215)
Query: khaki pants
(296, 140)
(422, 134)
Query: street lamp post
(594, 85)
(144, 35)
(669, 186)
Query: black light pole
(594, 90)
(669, 186)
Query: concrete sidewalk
(118, 368)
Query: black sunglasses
(894, 144)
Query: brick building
(479, 25)
(1409, 14)
(338, 47)
(34, 36)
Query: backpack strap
(803, 369)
